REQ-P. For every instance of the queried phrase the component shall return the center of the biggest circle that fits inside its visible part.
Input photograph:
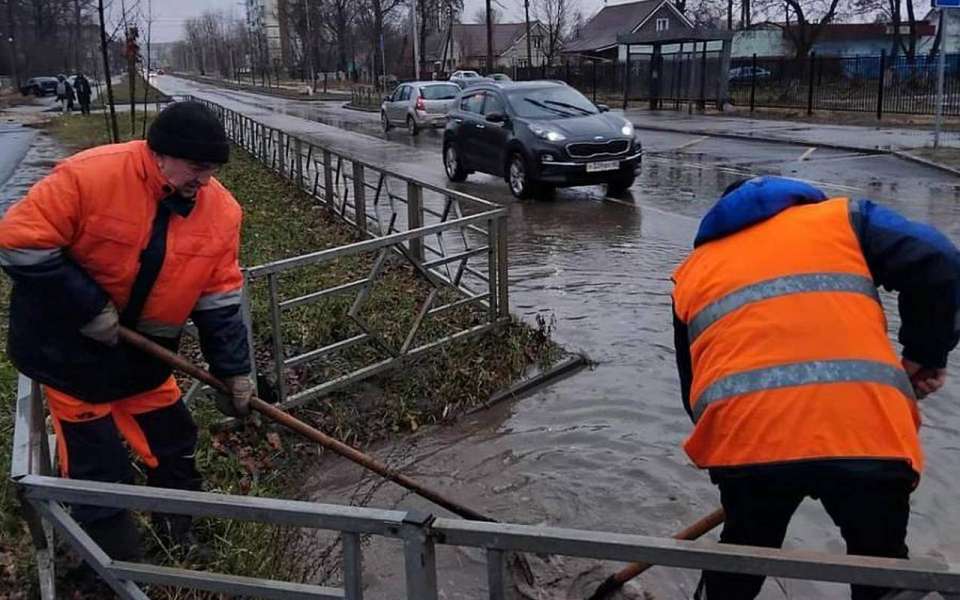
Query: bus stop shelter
(678, 67)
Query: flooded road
(601, 449)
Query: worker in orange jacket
(137, 234)
(787, 371)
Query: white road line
(686, 145)
(806, 153)
(745, 172)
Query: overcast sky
(169, 15)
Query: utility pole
(416, 40)
(489, 38)
(526, 16)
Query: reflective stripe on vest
(780, 286)
(803, 373)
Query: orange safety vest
(99, 206)
(789, 348)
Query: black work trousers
(871, 512)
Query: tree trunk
(114, 130)
(912, 40)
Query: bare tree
(337, 18)
(374, 16)
(479, 16)
(804, 20)
(554, 17)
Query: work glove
(236, 401)
(105, 327)
(925, 380)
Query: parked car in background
(499, 77)
(39, 86)
(418, 104)
(539, 135)
(741, 74)
(466, 78)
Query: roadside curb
(262, 91)
(753, 138)
(349, 106)
(926, 162)
(567, 366)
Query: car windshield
(470, 74)
(439, 92)
(550, 103)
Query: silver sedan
(418, 104)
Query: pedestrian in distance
(787, 372)
(82, 87)
(138, 234)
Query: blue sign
(946, 3)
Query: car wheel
(385, 121)
(518, 177)
(412, 126)
(37, 92)
(620, 184)
(452, 164)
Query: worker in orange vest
(138, 234)
(788, 374)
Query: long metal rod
(233, 585)
(294, 424)
(919, 574)
(84, 545)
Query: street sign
(945, 3)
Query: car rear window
(439, 92)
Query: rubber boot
(117, 535)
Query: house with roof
(465, 46)
(598, 38)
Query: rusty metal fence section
(45, 500)
(453, 241)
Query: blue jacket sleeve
(60, 285)
(681, 343)
(223, 340)
(921, 264)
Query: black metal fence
(876, 84)
(857, 83)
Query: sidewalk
(846, 137)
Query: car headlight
(627, 129)
(546, 133)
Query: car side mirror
(603, 108)
(388, 98)
(496, 117)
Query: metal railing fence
(44, 498)
(454, 242)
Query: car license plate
(606, 165)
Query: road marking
(621, 202)
(744, 172)
(686, 145)
(807, 153)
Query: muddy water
(602, 449)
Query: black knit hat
(189, 130)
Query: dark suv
(539, 135)
(39, 86)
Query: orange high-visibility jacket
(75, 241)
(789, 348)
